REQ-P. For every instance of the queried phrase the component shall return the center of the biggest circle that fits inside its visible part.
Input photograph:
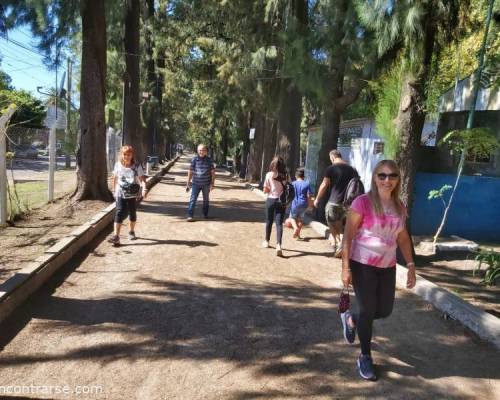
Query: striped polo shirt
(202, 168)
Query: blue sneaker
(349, 333)
(365, 367)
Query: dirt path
(200, 311)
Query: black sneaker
(349, 333)
(131, 235)
(365, 367)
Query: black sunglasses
(382, 176)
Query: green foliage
(458, 59)
(492, 260)
(387, 90)
(364, 107)
(5, 81)
(30, 110)
(479, 142)
(439, 194)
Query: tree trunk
(91, 169)
(290, 108)
(411, 118)
(152, 85)
(410, 122)
(256, 149)
(330, 126)
(245, 120)
(270, 138)
(160, 82)
(290, 114)
(225, 141)
(132, 119)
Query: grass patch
(31, 195)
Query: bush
(492, 259)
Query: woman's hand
(346, 276)
(411, 278)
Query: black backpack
(288, 193)
(354, 189)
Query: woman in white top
(126, 174)
(274, 185)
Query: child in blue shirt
(300, 202)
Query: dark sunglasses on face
(382, 176)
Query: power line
(17, 70)
(10, 56)
(23, 46)
(25, 73)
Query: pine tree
(421, 27)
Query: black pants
(375, 289)
(124, 208)
(275, 212)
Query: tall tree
(153, 84)
(290, 108)
(91, 156)
(55, 23)
(422, 27)
(133, 133)
(347, 61)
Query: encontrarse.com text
(46, 389)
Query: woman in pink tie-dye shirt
(375, 228)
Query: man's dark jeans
(195, 191)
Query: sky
(25, 67)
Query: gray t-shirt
(126, 175)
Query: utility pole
(67, 136)
(52, 145)
(4, 119)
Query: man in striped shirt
(201, 177)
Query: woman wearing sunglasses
(375, 228)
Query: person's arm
(352, 224)
(142, 179)
(322, 190)
(266, 188)
(190, 176)
(114, 181)
(404, 243)
(212, 183)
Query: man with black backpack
(344, 184)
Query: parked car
(59, 150)
(25, 151)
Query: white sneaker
(265, 244)
(279, 252)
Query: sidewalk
(200, 311)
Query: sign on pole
(4, 119)
(252, 134)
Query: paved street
(201, 311)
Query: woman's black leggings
(124, 208)
(275, 212)
(375, 289)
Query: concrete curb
(15, 290)
(485, 325)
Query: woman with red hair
(128, 179)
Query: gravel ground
(201, 311)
